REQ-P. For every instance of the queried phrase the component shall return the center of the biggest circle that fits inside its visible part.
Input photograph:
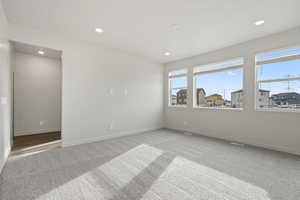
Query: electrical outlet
(111, 126)
(42, 123)
(185, 123)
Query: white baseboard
(250, 143)
(106, 136)
(32, 132)
(275, 148)
(6, 154)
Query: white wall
(95, 80)
(5, 90)
(276, 130)
(37, 94)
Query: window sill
(215, 108)
(277, 110)
(170, 106)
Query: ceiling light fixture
(260, 22)
(41, 52)
(99, 30)
(167, 53)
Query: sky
(222, 83)
(280, 70)
(228, 81)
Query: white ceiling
(31, 49)
(151, 27)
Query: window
(178, 88)
(219, 85)
(278, 77)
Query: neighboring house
(288, 99)
(237, 99)
(200, 94)
(227, 103)
(215, 100)
(173, 99)
(262, 101)
(182, 97)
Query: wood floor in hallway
(36, 142)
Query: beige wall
(37, 94)
(5, 90)
(276, 130)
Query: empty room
(149, 100)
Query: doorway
(37, 98)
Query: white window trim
(268, 51)
(235, 62)
(170, 89)
(284, 110)
(218, 108)
(279, 80)
(177, 76)
(278, 60)
(195, 74)
(219, 70)
(257, 82)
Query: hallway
(35, 143)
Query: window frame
(170, 87)
(272, 61)
(226, 68)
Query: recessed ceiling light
(41, 52)
(167, 53)
(260, 22)
(99, 30)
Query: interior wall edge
(6, 155)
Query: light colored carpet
(161, 165)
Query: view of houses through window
(278, 79)
(178, 88)
(219, 85)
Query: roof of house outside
(287, 94)
(181, 91)
(238, 91)
(260, 90)
(201, 89)
(213, 95)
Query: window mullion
(279, 80)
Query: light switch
(3, 100)
(111, 91)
